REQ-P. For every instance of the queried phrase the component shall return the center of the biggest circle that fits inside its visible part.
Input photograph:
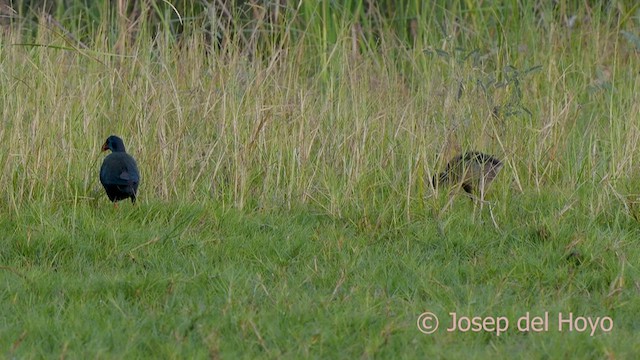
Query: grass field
(286, 209)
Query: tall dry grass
(357, 123)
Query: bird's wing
(117, 171)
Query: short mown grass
(286, 210)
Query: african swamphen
(473, 171)
(119, 173)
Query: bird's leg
(476, 201)
(481, 186)
(483, 181)
(468, 191)
(482, 201)
(493, 219)
(449, 202)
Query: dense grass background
(286, 150)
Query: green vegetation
(285, 208)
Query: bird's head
(114, 144)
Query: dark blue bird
(119, 172)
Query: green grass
(285, 209)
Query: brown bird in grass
(473, 171)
